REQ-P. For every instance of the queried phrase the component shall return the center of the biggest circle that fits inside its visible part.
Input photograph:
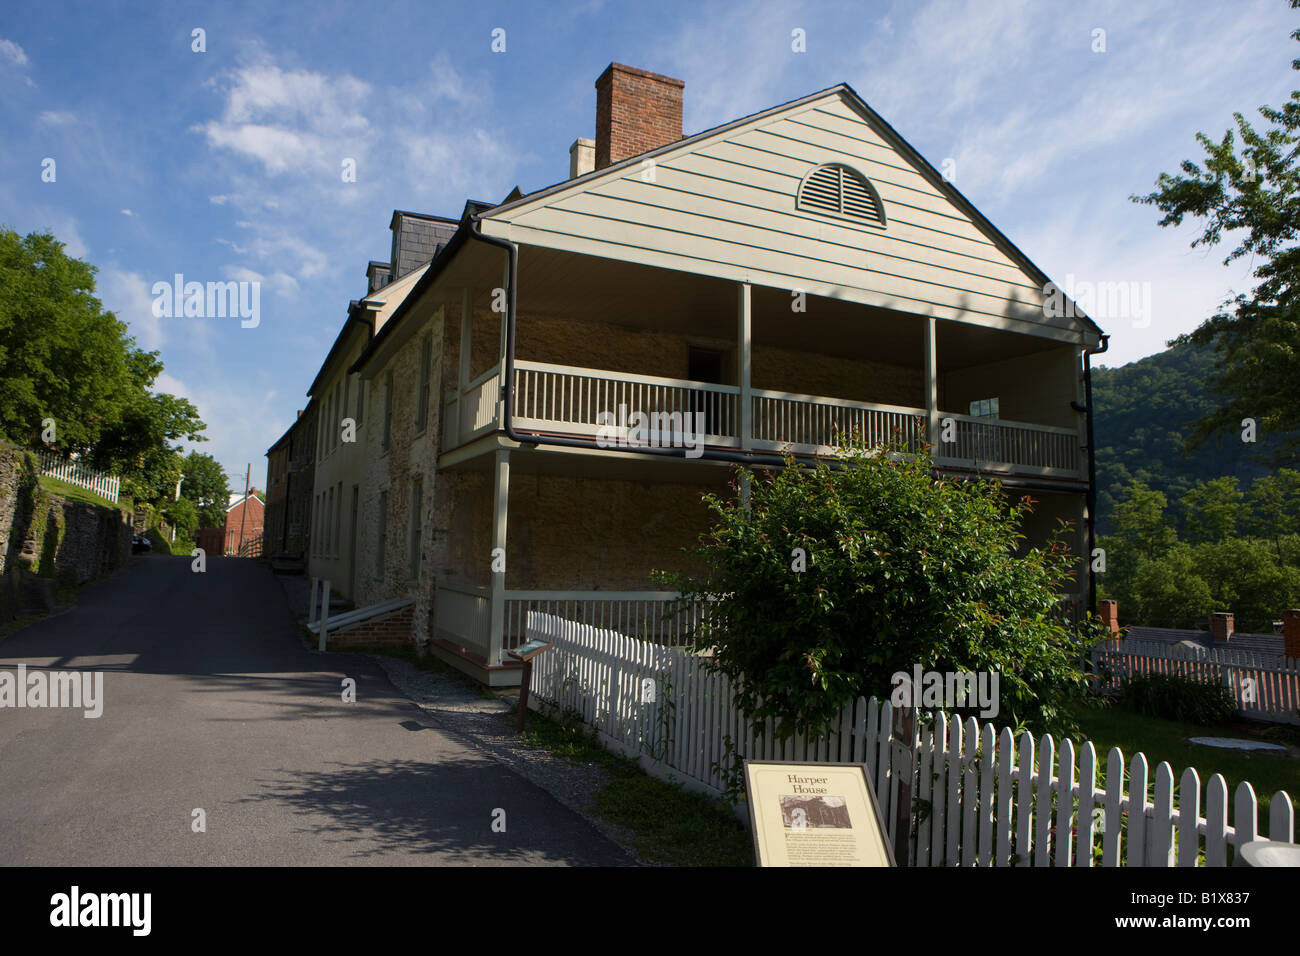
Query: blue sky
(226, 164)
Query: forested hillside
(1143, 410)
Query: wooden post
(324, 616)
(243, 512)
(500, 510)
(744, 335)
(931, 383)
(523, 693)
(902, 764)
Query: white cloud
(127, 212)
(128, 295)
(57, 118)
(13, 53)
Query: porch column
(501, 489)
(744, 341)
(931, 383)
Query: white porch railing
(809, 424)
(584, 402)
(574, 399)
(463, 615)
(1044, 449)
(646, 615)
(75, 473)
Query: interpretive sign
(815, 814)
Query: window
(382, 543)
(841, 191)
(388, 409)
(417, 505)
(328, 547)
(361, 399)
(984, 408)
(422, 401)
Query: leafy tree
(207, 486)
(1213, 510)
(62, 357)
(1252, 193)
(1273, 507)
(901, 568)
(182, 515)
(1169, 590)
(1140, 525)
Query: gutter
(1092, 467)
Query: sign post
(526, 653)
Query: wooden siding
(725, 206)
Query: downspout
(1092, 468)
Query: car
(140, 544)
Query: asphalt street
(212, 702)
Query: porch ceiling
(639, 296)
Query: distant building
(245, 522)
(290, 474)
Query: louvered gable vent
(841, 191)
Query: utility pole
(243, 514)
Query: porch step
(362, 615)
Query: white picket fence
(982, 797)
(74, 472)
(1266, 687)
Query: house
(290, 484)
(245, 519)
(344, 415)
(754, 289)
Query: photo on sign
(801, 813)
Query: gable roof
(514, 210)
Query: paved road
(211, 701)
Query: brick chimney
(1108, 611)
(1221, 626)
(636, 111)
(1291, 633)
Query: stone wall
(47, 541)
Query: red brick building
(246, 518)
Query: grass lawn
(1167, 740)
(666, 824)
(73, 492)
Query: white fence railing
(74, 472)
(463, 615)
(648, 615)
(586, 402)
(984, 797)
(1266, 687)
(983, 441)
(809, 424)
(575, 399)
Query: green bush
(834, 577)
(1179, 698)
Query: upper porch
(622, 357)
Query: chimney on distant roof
(636, 111)
(582, 157)
(1108, 611)
(1221, 626)
(1291, 633)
